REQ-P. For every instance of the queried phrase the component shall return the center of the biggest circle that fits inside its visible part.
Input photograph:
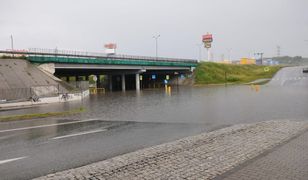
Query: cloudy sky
(241, 27)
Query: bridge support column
(123, 82)
(137, 82)
(110, 82)
(98, 81)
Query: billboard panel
(111, 46)
(207, 45)
(110, 51)
(207, 38)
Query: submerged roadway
(117, 123)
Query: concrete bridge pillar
(98, 81)
(137, 82)
(123, 82)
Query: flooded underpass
(120, 122)
(211, 105)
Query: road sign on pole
(95, 78)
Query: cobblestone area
(287, 162)
(204, 156)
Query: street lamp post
(230, 51)
(156, 45)
(12, 44)
(199, 48)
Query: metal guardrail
(68, 53)
(34, 92)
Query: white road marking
(10, 160)
(79, 134)
(48, 125)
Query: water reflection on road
(216, 105)
(118, 123)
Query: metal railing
(31, 93)
(80, 85)
(69, 53)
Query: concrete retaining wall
(46, 100)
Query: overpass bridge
(121, 71)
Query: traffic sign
(94, 78)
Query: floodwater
(215, 105)
(121, 122)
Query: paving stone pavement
(204, 156)
(290, 161)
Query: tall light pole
(199, 49)
(12, 44)
(156, 44)
(230, 50)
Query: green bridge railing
(107, 61)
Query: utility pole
(199, 51)
(156, 45)
(230, 50)
(12, 45)
(278, 50)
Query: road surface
(38, 147)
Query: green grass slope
(215, 73)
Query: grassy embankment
(215, 73)
(40, 115)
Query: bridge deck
(77, 57)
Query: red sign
(207, 38)
(111, 46)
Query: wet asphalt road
(118, 123)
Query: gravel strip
(204, 156)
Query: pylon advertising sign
(207, 40)
(110, 48)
